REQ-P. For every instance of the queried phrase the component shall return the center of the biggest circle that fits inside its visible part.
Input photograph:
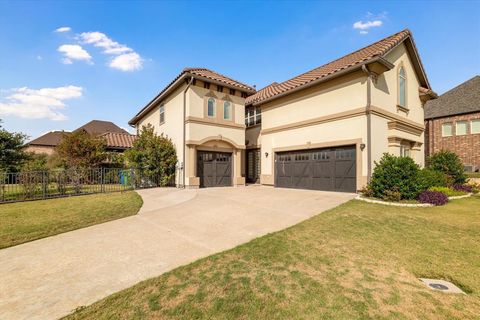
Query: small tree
(154, 156)
(12, 154)
(81, 150)
(449, 163)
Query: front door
(253, 166)
(214, 169)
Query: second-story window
(211, 107)
(162, 114)
(402, 87)
(253, 116)
(227, 110)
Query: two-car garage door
(332, 169)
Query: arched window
(211, 107)
(227, 111)
(402, 87)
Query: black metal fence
(37, 185)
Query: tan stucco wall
(201, 132)
(341, 94)
(385, 95)
(339, 97)
(172, 127)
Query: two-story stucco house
(322, 130)
(203, 113)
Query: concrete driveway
(48, 278)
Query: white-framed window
(211, 107)
(253, 116)
(447, 129)
(162, 114)
(405, 151)
(461, 128)
(227, 110)
(475, 126)
(402, 87)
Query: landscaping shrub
(395, 174)
(428, 178)
(448, 192)
(367, 191)
(392, 195)
(449, 163)
(433, 197)
(463, 187)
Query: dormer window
(211, 107)
(402, 87)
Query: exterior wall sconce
(266, 154)
(362, 146)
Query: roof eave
(353, 68)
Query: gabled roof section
(203, 74)
(375, 52)
(119, 140)
(464, 98)
(100, 127)
(49, 139)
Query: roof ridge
(462, 84)
(220, 74)
(352, 53)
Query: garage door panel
(214, 169)
(332, 169)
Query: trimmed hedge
(396, 174)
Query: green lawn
(26, 221)
(357, 261)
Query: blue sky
(112, 57)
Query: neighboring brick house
(453, 123)
(117, 138)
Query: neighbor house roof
(464, 98)
(375, 52)
(50, 139)
(197, 73)
(119, 140)
(100, 127)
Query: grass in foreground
(356, 261)
(26, 221)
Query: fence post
(102, 180)
(44, 187)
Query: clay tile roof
(375, 50)
(52, 138)
(119, 140)
(200, 73)
(464, 98)
(100, 127)
(212, 75)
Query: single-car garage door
(214, 169)
(331, 169)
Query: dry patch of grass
(357, 261)
(26, 221)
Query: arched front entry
(216, 163)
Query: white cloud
(63, 29)
(367, 24)
(45, 103)
(127, 62)
(74, 52)
(126, 59)
(39, 57)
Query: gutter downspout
(369, 122)
(184, 138)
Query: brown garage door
(331, 169)
(214, 169)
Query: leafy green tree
(12, 154)
(449, 163)
(81, 150)
(153, 156)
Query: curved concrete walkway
(48, 278)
